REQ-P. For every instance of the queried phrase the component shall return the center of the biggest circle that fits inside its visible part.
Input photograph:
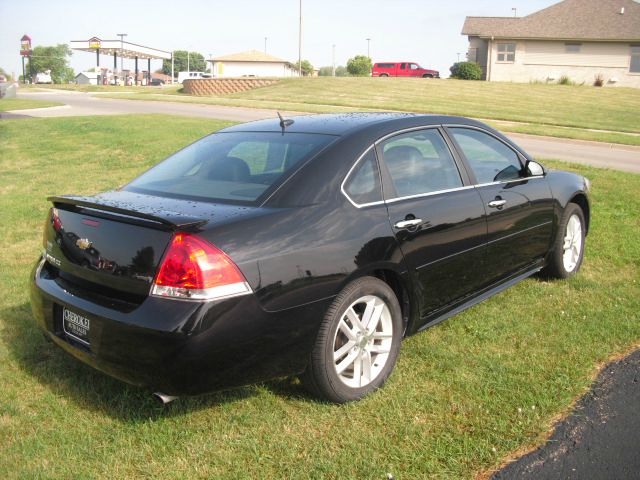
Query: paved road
(601, 438)
(618, 157)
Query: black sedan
(305, 246)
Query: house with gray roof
(584, 40)
(251, 63)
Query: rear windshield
(236, 167)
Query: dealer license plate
(76, 326)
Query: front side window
(634, 65)
(420, 162)
(414, 66)
(489, 158)
(234, 166)
(363, 184)
(506, 52)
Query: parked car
(305, 246)
(402, 69)
(182, 76)
(158, 82)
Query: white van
(182, 76)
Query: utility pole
(368, 44)
(333, 56)
(172, 76)
(515, 11)
(265, 45)
(188, 70)
(458, 56)
(300, 43)
(121, 35)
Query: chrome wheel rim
(362, 341)
(572, 245)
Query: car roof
(341, 124)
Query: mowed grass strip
(542, 108)
(571, 106)
(464, 395)
(7, 104)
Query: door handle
(496, 203)
(408, 223)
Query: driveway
(618, 157)
(600, 440)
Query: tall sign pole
(300, 43)
(25, 51)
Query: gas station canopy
(120, 49)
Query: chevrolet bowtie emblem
(83, 243)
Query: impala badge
(83, 243)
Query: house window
(572, 47)
(506, 52)
(634, 65)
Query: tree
(180, 59)
(51, 58)
(5, 74)
(359, 66)
(307, 68)
(341, 71)
(466, 71)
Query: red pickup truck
(402, 69)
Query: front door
(437, 217)
(519, 207)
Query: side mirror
(534, 169)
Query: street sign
(94, 42)
(25, 46)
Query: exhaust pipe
(164, 398)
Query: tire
(384, 75)
(568, 246)
(343, 353)
(427, 75)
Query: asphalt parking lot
(600, 440)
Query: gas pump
(105, 76)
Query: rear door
(519, 207)
(437, 216)
(402, 70)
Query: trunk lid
(113, 242)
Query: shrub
(359, 66)
(466, 71)
(565, 80)
(599, 81)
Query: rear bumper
(178, 347)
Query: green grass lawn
(464, 394)
(7, 104)
(542, 108)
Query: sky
(422, 31)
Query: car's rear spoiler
(160, 219)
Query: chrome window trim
(346, 177)
(437, 192)
(405, 130)
(520, 155)
(429, 194)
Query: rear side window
(236, 166)
(363, 183)
(385, 65)
(489, 158)
(420, 162)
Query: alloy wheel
(572, 244)
(362, 341)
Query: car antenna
(284, 122)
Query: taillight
(194, 269)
